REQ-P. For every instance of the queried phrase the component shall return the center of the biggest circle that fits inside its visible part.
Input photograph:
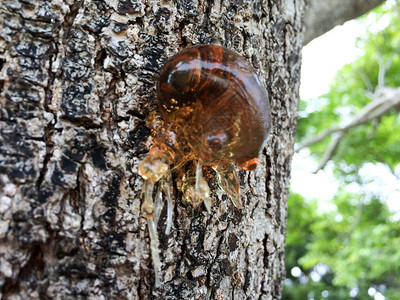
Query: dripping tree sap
(212, 111)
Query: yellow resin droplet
(155, 165)
(154, 249)
(148, 208)
(202, 188)
(249, 165)
(228, 180)
(168, 191)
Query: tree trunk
(77, 82)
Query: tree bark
(77, 82)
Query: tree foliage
(350, 250)
(353, 247)
(351, 90)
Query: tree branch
(322, 16)
(384, 99)
(384, 65)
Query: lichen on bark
(78, 79)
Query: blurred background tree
(351, 250)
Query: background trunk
(77, 81)
(322, 16)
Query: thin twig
(383, 67)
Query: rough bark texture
(77, 81)
(321, 15)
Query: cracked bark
(78, 79)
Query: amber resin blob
(212, 111)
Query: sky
(322, 58)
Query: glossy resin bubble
(212, 111)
